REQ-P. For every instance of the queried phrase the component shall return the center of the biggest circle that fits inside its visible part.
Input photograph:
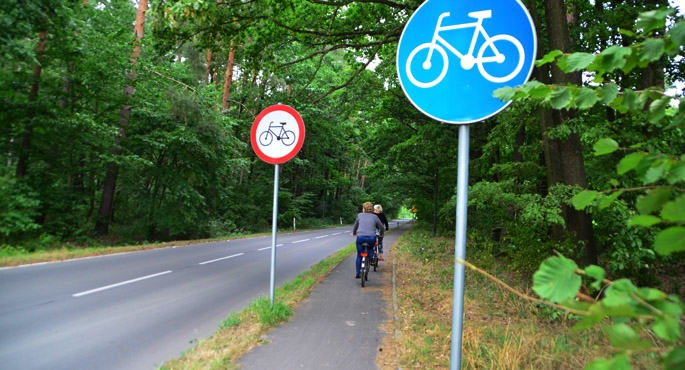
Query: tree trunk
(564, 157)
(109, 186)
(22, 163)
(229, 77)
(436, 183)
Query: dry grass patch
(500, 330)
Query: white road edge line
(222, 258)
(300, 241)
(119, 284)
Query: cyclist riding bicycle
(378, 211)
(365, 230)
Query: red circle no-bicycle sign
(277, 134)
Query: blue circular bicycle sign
(453, 54)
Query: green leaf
(537, 90)
(646, 163)
(667, 328)
(586, 98)
(675, 359)
(670, 240)
(653, 201)
(597, 274)
(652, 20)
(605, 146)
(643, 220)
(651, 50)
(631, 100)
(583, 199)
(655, 172)
(606, 202)
(657, 108)
(556, 280)
(630, 162)
(549, 58)
(674, 211)
(619, 308)
(677, 33)
(608, 92)
(575, 62)
(504, 93)
(561, 98)
(676, 173)
(632, 61)
(624, 337)
(651, 294)
(612, 58)
(587, 322)
(672, 306)
(618, 362)
(619, 293)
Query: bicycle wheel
(504, 60)
(288, 138)
(363, 270)
(426, 70)
(265, 138)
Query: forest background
(129, 122)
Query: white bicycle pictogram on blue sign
(488, 53)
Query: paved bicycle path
(338, 327)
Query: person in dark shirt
(378, 211)
(365, 226)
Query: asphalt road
(137, 310)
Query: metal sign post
(274, 230)
(277, 135)
(460, 245)
(452, 55)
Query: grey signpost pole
(274, 229)
(284, 148)
(446, 90)
(460, 246)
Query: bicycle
(286, 137)
(375, 259)
(467, 60)
(364, 271)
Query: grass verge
(500, 329)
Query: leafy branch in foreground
(662, 205)
(614, 58)
(628, 315)
(559, 282)
(633, 311)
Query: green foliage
(635, 312)
(232, 320)
(518, 223)
(268, 314)
(18, 209)
(661, 201)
